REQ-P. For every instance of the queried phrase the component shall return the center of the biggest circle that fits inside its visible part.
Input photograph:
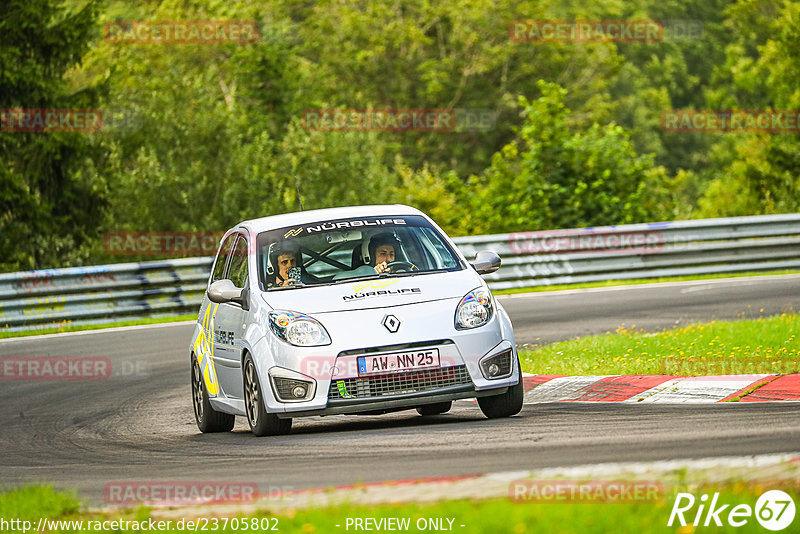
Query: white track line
(96, 331)
(713, 281)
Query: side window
(237, 270)
(444, 259)
(222, 257)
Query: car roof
(272, 222)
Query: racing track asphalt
(138, 424)
(558, 315)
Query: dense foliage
(200, 136)
(51, 199)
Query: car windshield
(327, 252)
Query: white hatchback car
(361, 310)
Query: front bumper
(340, 389)
(404, 390)
(403, 401)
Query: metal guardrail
(101, 293)
(651, 250)
(104, 293)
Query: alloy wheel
(251, 393)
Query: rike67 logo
(774, 510)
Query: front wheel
(262, 423)
(506, 404)
(208, 419)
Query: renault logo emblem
(391, 323)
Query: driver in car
(382, 250)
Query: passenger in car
(284, 257)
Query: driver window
(237, 270)
(222, 258)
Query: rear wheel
(435, 409)
(208, 419)
(505, 404)
(262, 423)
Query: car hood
(377, 293)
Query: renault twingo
(302, 318)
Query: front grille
(397, 383)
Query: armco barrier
(706, 246)
(102, 293)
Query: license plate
(398, 362)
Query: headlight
(298, 329)
(474, 310)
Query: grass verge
(763, 345)
(468, 516)
(66, 327)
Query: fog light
(497, 366)
(292, 389)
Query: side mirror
(486, 262)
(223, 291)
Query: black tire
(435, 409)
(505, 404)
(206, 417)
(262, 423)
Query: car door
(205, 343)
(229, 325)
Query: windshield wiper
(358, 278)
(404, 273)
(293, 286)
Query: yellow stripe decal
(372, 284)
(204, 350)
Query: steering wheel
(401, 266)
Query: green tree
(759, 172)
(51, 200)
(440, 194)
(672, 73)
(557, 176)
(205, 135)
(454, 55)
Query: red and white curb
(661, 388)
